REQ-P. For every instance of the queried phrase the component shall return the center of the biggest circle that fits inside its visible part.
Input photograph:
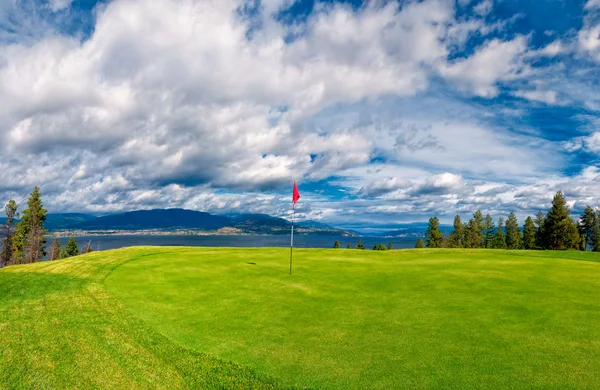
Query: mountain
(155, 219)
(314, 225)
(64, 220)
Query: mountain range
(166, 220)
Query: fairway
(234, 318)
(365, 319)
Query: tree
(389, 246)
(379, 247)
(348, 246)
(557, 227)
(488, 231)
(7, 244)
(499, 241)
(478, 226)
(473, 236)
(63, 252)
(420, 243)
(540, 237)
(336, 245)
(71, 247)
(55, 249)
(529, 234)
(590, 229)
(359, 245)
(29, 241)
(456, 235)
(513, 234)
(435, 239)
(88, 247)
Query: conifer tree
(434, 236)
(529, 234)
(71, 248)
(513, 234)
(590, 226)
(478, 226)
(455, 238)
(359, 245)
(473, 236)
(488, 231)
(348, 246)
(55, 249)
(29, 241)
(389, 246)
(540, 236)
(7, 244)
(499, 241)
(557, 226)
(336, 244)
(63, 252)
(420, 243)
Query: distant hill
(155, 219)
(64, 220)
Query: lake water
(113, 242)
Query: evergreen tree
(473, 235)
(389, 246)
(540, 237)
(499, 241)
(558, 224)
(379, 247)
(348, 246)
(434, 236)
(88, 247)
(455, 238)
(590, 226)
(478, 227)
(71, 247)
(7, 244)
(420, 243)
(55, 250)
(529, 234)
(29, 241)
(513, 234)
(63, 253)
(359, 245)
(488, 231)
(336, 245)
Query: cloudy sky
(385, 112)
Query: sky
(385, 112)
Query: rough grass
(179, 317)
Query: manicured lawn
(208, 318)
(366, 319)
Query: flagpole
(292, 235)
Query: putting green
(370, 319)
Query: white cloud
(544, 96)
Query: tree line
(360, 245)
(553, 230)
(25, 241)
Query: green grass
(207, 318)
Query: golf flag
(295, 197)
(296, 194)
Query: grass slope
(365, 319)
(59, 328)
(179, 317)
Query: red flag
(296, 194)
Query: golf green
(369, 319)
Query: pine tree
(379, 247)
(488, 230)
(478, 227)
(63, 252)
(420, 243)
(359, 245)
(7, 244)
(499, 241)
(590, 225)
(29, 241)
(435, 239)
(55, 250)
(389, 246)
(348, 246)
(513, 234)
(336, 245)
(557, 227)
(473, 235)
(540, 236)
(71, 247)
(529, 234)
(456, 236)
(88, 247)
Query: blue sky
(385, 112)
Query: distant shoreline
(186, 232)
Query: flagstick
(292, 236)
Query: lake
(104, 242)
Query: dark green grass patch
(364, 319)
